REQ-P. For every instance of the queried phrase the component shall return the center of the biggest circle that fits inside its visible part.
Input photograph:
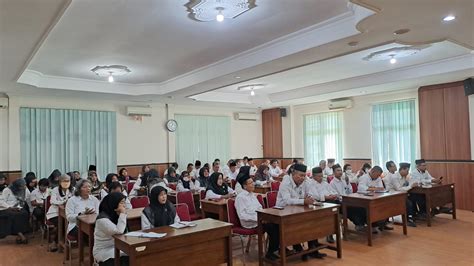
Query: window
(393, 132)
(322, 137)
(67, 140)
(202, 138)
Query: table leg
(428, 208)
(80, 243)
(229, 251)
(260, 242)
(404, 218)
(91, 245)
(117, 257)
(221, 215)
(369, 227)
(344, 220)
(338, 236)
(282, 245)
(453, 195)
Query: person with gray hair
(82, 203)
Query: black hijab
(30, 176)
(163, 214)
(186, 184)
(203, 180)
(219, 190)
(170, 178)
(108, 179)
(108, 205)
(244, 173)
(54, 178)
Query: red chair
(232, 183)
(130, 186)
(275, 186)
(354, 187)
(187, 198)
(172, 186)
(260, 199)
(330, 178)
(47, 224)
(203, 194)
(272, 198)
(140, 202)
(237, 229)
(183, 212)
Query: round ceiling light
(251, 87)
(449, 18)
(393, 53)
(401, 31)
(111, 71)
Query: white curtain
(322, 137)
(202, 138)
(393, 132)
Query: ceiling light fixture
(449, 18)
(237, 77)
(205, 10)
(111, 71)
(393, 60)
(395, 53)
(252, 93)
(401, 31)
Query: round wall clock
(171, 125)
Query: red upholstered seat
(183, 212)
(272, 198)
(187, 198)
(354, 187)
(140, 202)
(275, 186)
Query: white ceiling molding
(336, 28)
(459, 63)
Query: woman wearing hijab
(112, 220)
(170, 176)
(203, 177)
(244, 173)
(117, 187)
(217, 188)
(187, 183)
(14, 213)
(30, 179)
(54, 178)
(262, 173)
(95, 183)
(112, 177)
(123, 175)
(160, 212)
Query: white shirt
(104, 247)
(8, 200)
(274, 172)
(319, 191)
(341, 187)
(238, 188)
(128, 204)
(421, 178)
(56, 200)
(147, 225)
(232, 175)
(76, 205)
(253, 170)
(395, 182)
(39, 196)
(212, 195)
(291, 194)
(327, 171)
(352, 177)
(192, 185)
(196, 172)
(246, 205)
(366, 181)
(178, 172)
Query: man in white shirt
(246, 205)
(391, 171)
(197, 168)
(341, 187)
(253, 167)
(292, 191)
(421, 175)
(245, 161)
(400, 181)
(328, 170)
(232, 172)
(276, 174)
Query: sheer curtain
(322, 137)
(67, 140)
(393, 132)
(202, 138)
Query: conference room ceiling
(298, 49)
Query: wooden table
(379, 206)
(437, 195)
(208, 243)
(300, 224)
(214, 209)
(263, 189)
(196, 196)
(86, 225)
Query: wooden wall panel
(461, 175)
(432, 134)
(456, 113)
(135, 169)
(272, 133)
(12, 175)
(437, 169)
(357, 163)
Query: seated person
(3, 183)
(292, 192)
(276, 174)
(175, 167)
(391, 170)
(341, 186)
(171, 176)
(364, 169)
(59, 196)
(246, 205)
(37, 198)
(82, 203)
(187, 183)
(262, 175)
(14, 213)
(160, 212)
(400, 182)
(123, 175)
(112, 177)
(218, 189)
(253, 167)
(203, 178)
(31, 180)
(421, 175)
(112, 220)
(232, 172)
(328, 170)
(348, 174)
(96, 185)
(244, 172)
(117, 187)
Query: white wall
(357, 133)
(471, 119)
(145, 141)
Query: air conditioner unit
(246, 116)
(338, 104)
(139, 111)
(3, 103)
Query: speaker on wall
(283, 112)
(469, 86)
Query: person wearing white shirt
(216, 167)
(253, 167)
(421, 175)
(37, 198)
(81, 204)
(111, 220)
(276, 174)
(190, 169)
(246, 206)
(14, 212)
(232, 172)
(160, 212)
(328, 170)
(400, 181)
(116, 187)
(292, 191)
(348, 174)
(391, 171)
(218, 189)
(197, 169)
(186, 183)
(175, 166)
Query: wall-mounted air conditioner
(338, 104)
(139, 111)
(246, 116)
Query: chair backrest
(130, 186)
(187, 198)
(232, 215)
(172, 186)
(183, 212)
(275, 186)
(260, 199)
(140, 202)
(354, 187)
(47, 204)
(272, 198)
(232, 183)
(330, 178)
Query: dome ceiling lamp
(395, 53)
(218, 10)
(111, 71)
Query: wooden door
(272, 133)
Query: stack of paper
(147, 235)
(182, 224)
